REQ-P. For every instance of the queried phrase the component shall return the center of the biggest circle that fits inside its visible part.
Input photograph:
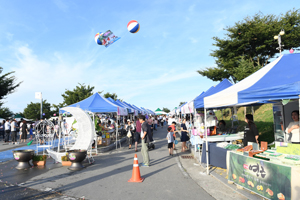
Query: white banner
(122, 111)
(38, 95)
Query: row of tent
(275, 82)
(98, 104)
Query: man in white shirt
(13, 128)
(7, 131)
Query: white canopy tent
(229, 96)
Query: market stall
(270, 174)
(98, 104)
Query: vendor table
(223, 138)
(270, 180)
(216, 155)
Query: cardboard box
(264, 146)
(105, 141)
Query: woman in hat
(251, 132)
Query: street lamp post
(278, 37)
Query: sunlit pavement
(166, 178)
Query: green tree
(8, 84)
(33, 110)
(70, 97)
(5, 113)
(250, 43)
(166, 110)
(181, 103)
(114, 96)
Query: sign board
(267, 179)
(38, 95)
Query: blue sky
(50, 45)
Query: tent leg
(117, 132)
(206, 149)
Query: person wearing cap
(251, 132)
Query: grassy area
(263, 118)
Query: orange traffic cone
(136, 176)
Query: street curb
(111, 146)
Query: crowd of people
(141, 129)
(15, 132)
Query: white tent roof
(229, 96)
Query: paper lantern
(133, 26)
(54, 114)
(291, 50)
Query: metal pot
(76, 157)
(23, 157)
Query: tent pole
(59, 133)
(117, 131)
(206, 149)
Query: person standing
(2, 129)
(251, 132)
(184, 137)
(129, 130)
(24, 131)
(170, 139)
(144, 150)
(164, 119)
(161, 122)
(293, 128)
(7, 131)
(150, 124)
(138, 128)
(155, 123)
(13, 129)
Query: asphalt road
(107, 178)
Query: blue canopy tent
(282, 81)
(199, 101)
(97, 104)
(130, 106)
(118, 102)
(139, 110)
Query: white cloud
(61, 5)
(193, 40)
(9, 36)
(192, 8)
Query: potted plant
(39, 160)
(65, 161)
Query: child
(174, 131)
(170, 139)
(31, 131)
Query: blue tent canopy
(130, 106)
(199, 101)
(282, 81)
(119, 103)
(97, 104)
(137, 108)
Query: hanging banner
(122, 111)
(272, 181)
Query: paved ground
(166, 178)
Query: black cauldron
(76, 157)
(23, 157)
